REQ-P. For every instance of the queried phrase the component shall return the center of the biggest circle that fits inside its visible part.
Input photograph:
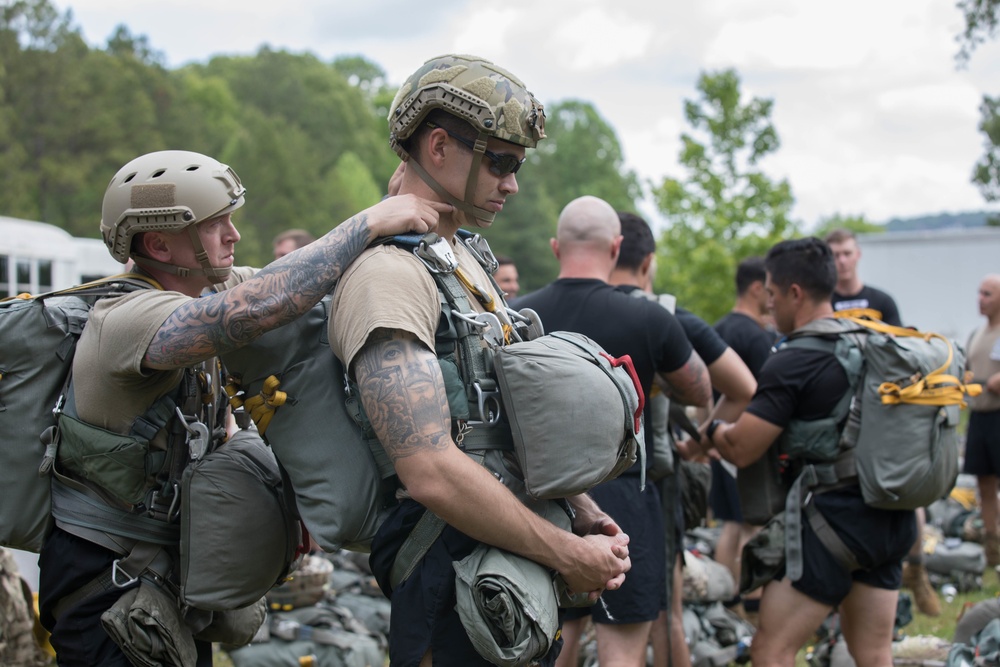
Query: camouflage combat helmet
(168, 191)
(491, 99)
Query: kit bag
(902, 417)
(575, 412)
(239, 530)
(38, 337)
(293, 386)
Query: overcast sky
(873, 115)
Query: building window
(45, 275)
(23, 276)
(4, 277)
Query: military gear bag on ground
(330, 637)
(898, 441)
(38, 337)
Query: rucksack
(38, 337)
(899, 439)
(299, 395)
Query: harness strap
(828, 536)
(415, 547)
(814, 478)
(430, 525)
(76, 506)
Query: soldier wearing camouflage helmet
(171, 213)
(462, 125)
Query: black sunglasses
(501, 164)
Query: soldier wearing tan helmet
(171, 213)
(462, 125)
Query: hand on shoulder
(404, 213)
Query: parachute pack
(39, 336)
(899, 442)
(51, 462)
(299, 395)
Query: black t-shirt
(747, 338)
(703, 338)
(798, 384)
(869, 297)
(618, 322)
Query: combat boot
(924, 596)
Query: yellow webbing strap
(234, 392)
(869, 313)
(936, 388)
(487, 301)
(262, 406)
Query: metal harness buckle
(436, 255)
(480, 249)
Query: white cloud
(873, 115)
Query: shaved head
(989, 297)
(588, 220)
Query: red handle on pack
(626, 361)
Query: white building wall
(933, 275)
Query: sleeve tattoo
(276, 295)
(402, 390)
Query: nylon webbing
(814, 478)
(82, 507)
(831, 540)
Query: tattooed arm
(284, 290)
(403, 393)
(690, 384)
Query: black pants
(66, 564)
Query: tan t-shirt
(110, 385)
(389, 288)
(983, 360)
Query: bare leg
(788, 619)
(989, 508)
(622, 645)
(571, 633)
(867, 617)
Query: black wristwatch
(710, 431)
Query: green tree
(980, 25)
(725, 208)
(581, 155)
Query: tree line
(309, 140)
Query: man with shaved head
(982, 445)
(587, 244)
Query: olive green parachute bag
(294, 389)
(38, 337)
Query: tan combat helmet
(168, 191)
(491, 99)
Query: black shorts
(640, 515)
(879, 539)
(424, 615)
(723, 496)
(982, 444)
(67, 563)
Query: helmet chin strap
(480, 216)
(214, 274)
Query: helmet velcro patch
(154, 195)
(441, 75)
